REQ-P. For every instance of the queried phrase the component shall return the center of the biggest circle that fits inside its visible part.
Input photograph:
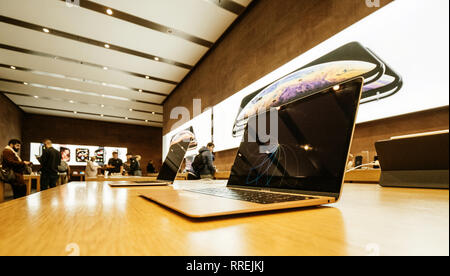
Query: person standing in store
(203, 164)
(132, 166)
(11, 161)
(138, 170)
(50, 160)
(115, 164)
(91, 167)
(151, 167)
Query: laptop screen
(314, 136)
(178, 147)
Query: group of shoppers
(115, 165)
(50, 166)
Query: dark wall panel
(145, 141)
(11, 118)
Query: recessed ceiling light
(75, 112)
(130, 109)
(107, 46)
(109, 11)
(153, 113)
(140, 90)
(36, 97)
(46, 30)
(103, 95)
(26, 83)
(12, 67)
(103, 83)
(102, 115)
(156, 58)
(147, 77)
(307, 147)
(105, 68)
(71, 101)
(126, 118)
(146, 121)
(102, 105)
(336, 87)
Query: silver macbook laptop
(180, 143)
(305, 168)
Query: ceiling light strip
(228, 5)
(143, 22)
(87, 113)
(60, 76)
(77, 102)
(94, 94)
(35, 53)
(93, 42)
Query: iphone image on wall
(348, 61)
(82, 155)
(65, 154)
(389, 84)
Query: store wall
(11, 118)
(268, 35)
(367, 134)
(145, 141)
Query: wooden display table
(222, 175)
(99, 220)
(363, 176)
(78, 176)
(28, 180)
(182, 176)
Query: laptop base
(139, 183)
(429, 179)
(197, 205)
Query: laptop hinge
(289, 191)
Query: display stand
(433, 179)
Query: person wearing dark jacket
(50, 160)
(11, 160)
(151, 167)
(208, 170)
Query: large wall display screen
(76, 155)
(401, 50)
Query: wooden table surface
(91, 218)
(363, 176)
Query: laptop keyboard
(250, 196)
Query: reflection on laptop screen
(178, 147)
(314, 135)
